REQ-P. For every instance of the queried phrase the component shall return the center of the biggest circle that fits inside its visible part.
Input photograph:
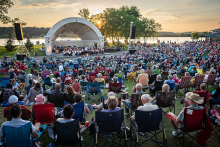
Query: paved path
(60, 56)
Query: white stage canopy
(84, 29)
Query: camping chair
(19, 137)
(164, 75)
(4, 82)
(204, 96)
(83, 86)
(93, 89)
(193, 122)
(43, 113)
(166, 100)
(67, 133)
(110, 122)
(102, 84)
(216, 127)
(46, 82)
(57, 100)
(211, 79)
(150, 122)
(92, 77)
(69, 98)
(198, 80)
(45, 73)
(24, 114)
(78, 111)
(115, 87)
(54, 67)
(71, 66)
(50, 66)
(185, 82)
(11, 75)
(135, 102)
(44, 65)
(172, 85)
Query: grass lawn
(3, 51)
(89, 142)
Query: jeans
(127, 106)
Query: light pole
(130, 35)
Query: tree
(9, 44)
(4, 6)
(195, 36)
(84, 13)
(29, 45)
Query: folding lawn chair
(93, 89)
(166, 100)
(185, 82)
(109, 123)
(4, 82)
(198, 81)
(150, 122)
(43, 113)
(67, 133)
(204, 96)
(211, 79)
(83, 86)
(115, 87)
(69, 98)
(24, 114)
(164, 75)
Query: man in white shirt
(17, 122)
(147, 106)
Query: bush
(9, 44)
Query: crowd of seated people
(145, 70)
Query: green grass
(3, 51)
(88, 140)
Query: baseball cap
(13, 99)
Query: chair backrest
(157, 71)
(18, 136)
(69, 98)
(78, 111)
(164, 75)
(4, 82)
(45, 73)
(47, 82)
(193, 119)
(185, 82)
(158, 85)
(82, 83)
(171, 84)
(148, 120)
(62, 87)
(24, 114)
(198, 80)
(44, 113)
(57, 100)
(93, 88)
(11, 75)
(105, 78)
(165, 99)
(152, 78)
(115, 87)
(136, 101)
(109, 121)
(66, 132)
(211, 79)
(203, 95)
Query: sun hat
(123, 92)
(39, 99)
(194, 97)
(13, 99)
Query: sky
(173, 15)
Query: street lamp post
(130, 35)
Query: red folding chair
(22, 67)
(92, 77)
(115, 87)
(211, 79)
(198, 80)
(43, 113)
(193, 122)
(203, 95)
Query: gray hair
(166, 87)
(159, 77)
(174, 75)
(115, 79)
(99, 75)
(111, 94)
(170, 77)
(138, 86)
(76, 80)
(145, 96)
(142, 71)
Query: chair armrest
(125, 101)
(172, 118)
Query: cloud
(152, 12)
(20, 5)
(176, 16)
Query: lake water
(172, 39)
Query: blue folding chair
(44, 65)
(18, 136)
(54, 66)
(62, 87)
(49, 66)
(30, 65)
(172, 85)
(11, 75)
(76, 66)
(93, 89)
(46, 82)
(78, 111)
(4, 82)
(71, 66)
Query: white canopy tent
(84, 29)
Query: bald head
(138, 87)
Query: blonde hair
(187, 74)
(112, 102)
(166, 88)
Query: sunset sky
(173, 15)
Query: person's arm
(29, 94)
(137, 79)
(87, 109)
(15, 93)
